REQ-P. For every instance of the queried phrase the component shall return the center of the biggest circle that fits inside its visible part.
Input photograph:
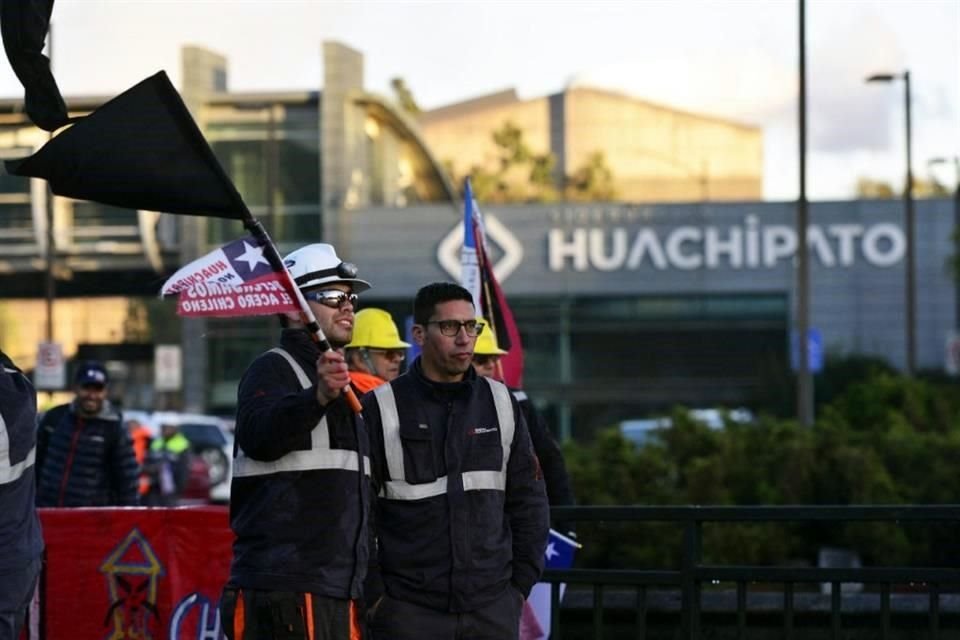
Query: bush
(883, 439)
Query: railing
(692, 574)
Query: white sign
(166, 368)
(51, 370)
(747, 246)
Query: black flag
(24, 24)
(141, 150)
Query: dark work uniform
(299, 503)
(462, 515)
(548, 452)
(85, 461)
(21, 540)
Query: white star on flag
(252, 256)
(551, 551)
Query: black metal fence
(637, 589)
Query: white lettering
(845, 234)
(559, 249)
(691, 247)
(598, 256)
(645, 241)
(713, 246)
(674, 252)
(753, 242)
(779, 241)
(883, 245)
(817, 241)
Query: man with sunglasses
(376, 352)
(85, 456)
(462, 513)
(300, 493)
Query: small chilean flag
(234, 280)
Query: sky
(728, 58)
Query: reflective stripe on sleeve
(12, 472)
(312, 460)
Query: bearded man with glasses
(461, 517)
(300, 493)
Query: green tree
(593, 181)
(521, 175)
(404, 96)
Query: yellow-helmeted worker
(376, 350)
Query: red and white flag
(234, 280)
(477, 277)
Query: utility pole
(804, 377)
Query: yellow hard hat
(375, 328)
(487, 344)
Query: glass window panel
(298, 171)
(245, 162)
(92, 214)
(16, 216)
(14, 184)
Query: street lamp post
(911, 347)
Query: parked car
(211, 440)
(639, 431)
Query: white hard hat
(316, 265)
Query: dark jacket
(21, 540)
(459, 526)
(85, 461)
(549, 453)
(298, 505)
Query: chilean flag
(535, 618)
(234, 280)
(477, 277)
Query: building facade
(624, 309)
(655, 153)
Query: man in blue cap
(84, 455)
(21, 541)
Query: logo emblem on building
(132, 572)
(448, 251)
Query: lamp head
(881, 77)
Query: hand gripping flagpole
(276, 262)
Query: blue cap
(91, 373)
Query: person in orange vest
(141, 437)
(376, 351)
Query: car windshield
(203, 435)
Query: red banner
(134, 573)
(264, 297)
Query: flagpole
(491, 321)
(270, 251)
(276, 262)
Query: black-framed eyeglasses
(451, 328)
(482, 360)
(332, 298)
(389, 354)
